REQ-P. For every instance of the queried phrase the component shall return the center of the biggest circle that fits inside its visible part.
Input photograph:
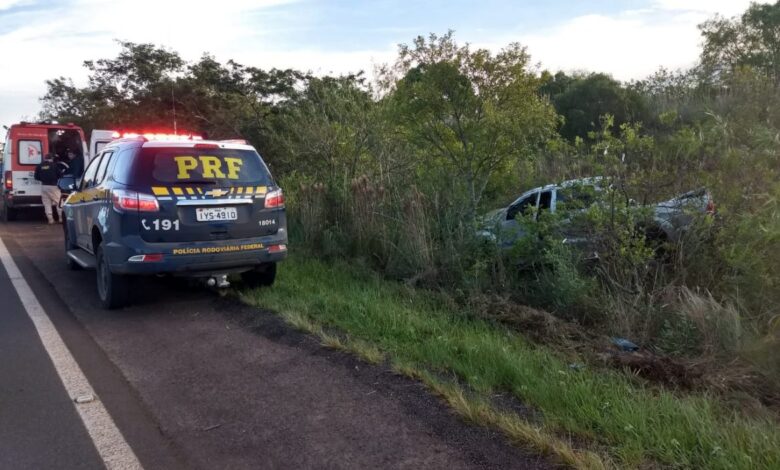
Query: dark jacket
(48, 172)
(76, 166)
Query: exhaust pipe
(219, 281)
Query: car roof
(593, 180)
(223, 144)
(42, 125)
(193, 143)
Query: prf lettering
(210, 166)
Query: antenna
(173, 86)
(173, 102)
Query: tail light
(274, 198)
(9, 180)
(277, 248)
(132, 201)
(710, 204)
(150, 258)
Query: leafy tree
(751, 40)
(233, 100)
(147, 87)
(139, 78)
(583, 99)
(325, 130)
(470, 113)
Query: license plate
(212, 214)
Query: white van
(99, 139)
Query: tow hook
(219, 281)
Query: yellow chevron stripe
(190, 191)
(177, 191)
(200, 191)
(160, 191)
(261, 190)
(240, 190)
(250, 190)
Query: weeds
(415, 328)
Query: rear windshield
(219, 167)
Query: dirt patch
(654, 368)
(536, 325)
(737, 381)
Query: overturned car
(571, 200)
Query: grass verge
(639, 426)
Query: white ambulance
(25, 145)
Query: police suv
(176, 207)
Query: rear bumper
(19, 202)
(197, 258)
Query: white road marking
(108, 440)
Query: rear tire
(9, 214)
(658, 241)
(261, 276)
(112, 288)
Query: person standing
(75, 163)
(48, 173)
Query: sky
(629, 39)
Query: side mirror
(67, 184)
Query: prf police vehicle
(166, 205)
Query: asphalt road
(193, 380)
(39, 426)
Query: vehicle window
(99, 146)
(576, 197)
(122, 165)
(30, 152)
(522, 206)
(101, 171)
(220, 167)
(545, 200)
(88, 180)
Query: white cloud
(723, 7)
(6, 4)
(189, 28)
(632, 44)
(628, 47)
